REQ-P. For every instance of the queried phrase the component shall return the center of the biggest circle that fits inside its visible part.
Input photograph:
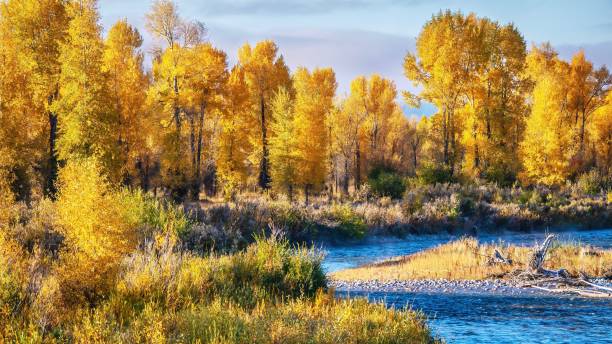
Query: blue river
(486, 317)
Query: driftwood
(555, 281)
(581, 292)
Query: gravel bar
(442, 286)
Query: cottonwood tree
(127, 84)
(87, 122)
(31, 32)
(205, 79)
(548, 146)
(284, 153)
(564, 99)
(265, 72)
(234, 146)
(443, 67)
(496, 109)
(314, 94)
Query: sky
(361, 37)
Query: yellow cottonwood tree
(234, 145)
(495, 111)
(205, 79)
(345, 140)
(601, 136)
(284, 154)
(86, 119)
(372, 104)
(265, 72)
(31, 32)
(127, 84)
(314, 94)
(443, 67)
(166, 94)
(587, 91)
(565, 98)
(548, 146)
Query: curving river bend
(487, 317)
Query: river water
(488, 317)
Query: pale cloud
(240, 7)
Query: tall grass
(270, 292)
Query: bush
(432, 174)
(386, 183)
(269, 268)
(164, 218)
(12, 282)
(593, 183)
(349, 223)
(500, 175)
(100, 225)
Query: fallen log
(596, 286)
(534, 275)
(581, 292)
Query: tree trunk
(264, 177)
(445, 136)
(357, 166)
(143, 166)
(345, 184)
(539, 254)
(414, 157)
(192, 142)
(51, 175)
(306, 194)
(198, 161)
(582, 128)
(52, 163)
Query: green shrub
(593, 183)
(433, 174)
(386, 183)
(165, 217)
(349, 223)
(413, 202)
(467, 206)
(525, 196)
(500, 175)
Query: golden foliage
(99, 224)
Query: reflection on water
(489, 318)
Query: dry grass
(466, 259)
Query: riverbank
(434, 209)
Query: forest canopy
(191, 123)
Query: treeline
(193, 123)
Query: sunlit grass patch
(467, 259)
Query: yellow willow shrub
(12, 279)
(7, 199)
(100, 227)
